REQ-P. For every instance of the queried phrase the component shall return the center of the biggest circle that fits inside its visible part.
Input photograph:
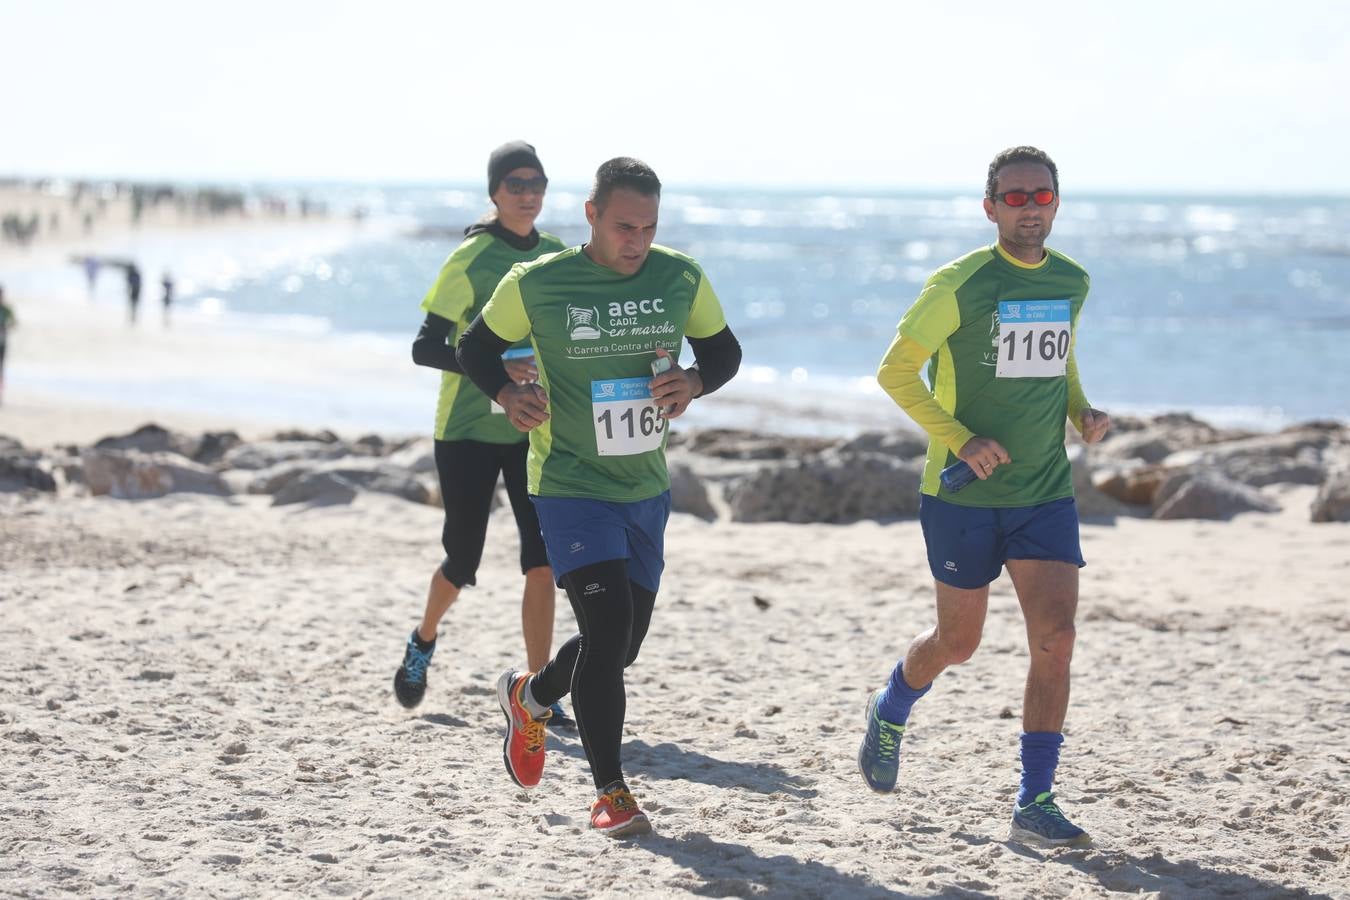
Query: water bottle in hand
(957, 475)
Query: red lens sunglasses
(1020, 198)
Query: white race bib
(1033, 338)
(627, 420)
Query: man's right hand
(526, 405)
(983, 455)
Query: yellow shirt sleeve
(505, 311)
(1078, 400)
(705, 316)
(452, 294)
(898, 376)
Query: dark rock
(1159, 437)
(264, 454)
(370, 445)
(214, 445)
(1091, 502)
(152, 438)
(832, 487)
(1305, 444)
(1209, 496)
(688, 493)
(131, 475)
(25, 470)
(1148, 445)
(296, 434)
(274, 478)
(900, 444)
(416, 456)
(376, 475)
(1332, 503)
(1133, 485)
(1261, 472)
(383, 479)
(317, 489)
(734, 443)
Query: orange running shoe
(616, 813)
(523, 746)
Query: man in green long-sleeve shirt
(996, 330)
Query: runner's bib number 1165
(1033, 338)
(627, 420)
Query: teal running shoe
(410, 681)
(1041, 824)
(879, 753)
(561, 721)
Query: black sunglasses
(536, 185)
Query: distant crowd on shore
(48, 207)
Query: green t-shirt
(594, 333)
(467, 280)
(1000, 332)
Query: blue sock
(898, 697)
(1040, 756)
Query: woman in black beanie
(473, 440)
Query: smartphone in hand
(659, 365)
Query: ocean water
(1237, 308)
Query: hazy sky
(1174, 96)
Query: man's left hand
(521, 370)
(1095, 425)
(675, 388)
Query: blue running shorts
(968, 545)
(578, 532)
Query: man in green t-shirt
(606, 321)
(996, 330)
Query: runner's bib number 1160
(1033, 338)
(627, 420)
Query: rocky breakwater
(1171, 466)
(290, 466)
(1166, 467)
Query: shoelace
(416, 663)
(1049, 808)
(534, 735)
(620, 800)
(888, 741)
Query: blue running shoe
(1041, 824)
(879, 754)
(561, 720)
(410, 681)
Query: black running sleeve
(432, 346)
(717, 359)
(480, 357)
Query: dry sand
(195, 701)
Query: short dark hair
(1019, 155)
(623, 172)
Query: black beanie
(513, 155)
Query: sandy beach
(196, 701)
(195, 691)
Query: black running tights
(613, 614)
